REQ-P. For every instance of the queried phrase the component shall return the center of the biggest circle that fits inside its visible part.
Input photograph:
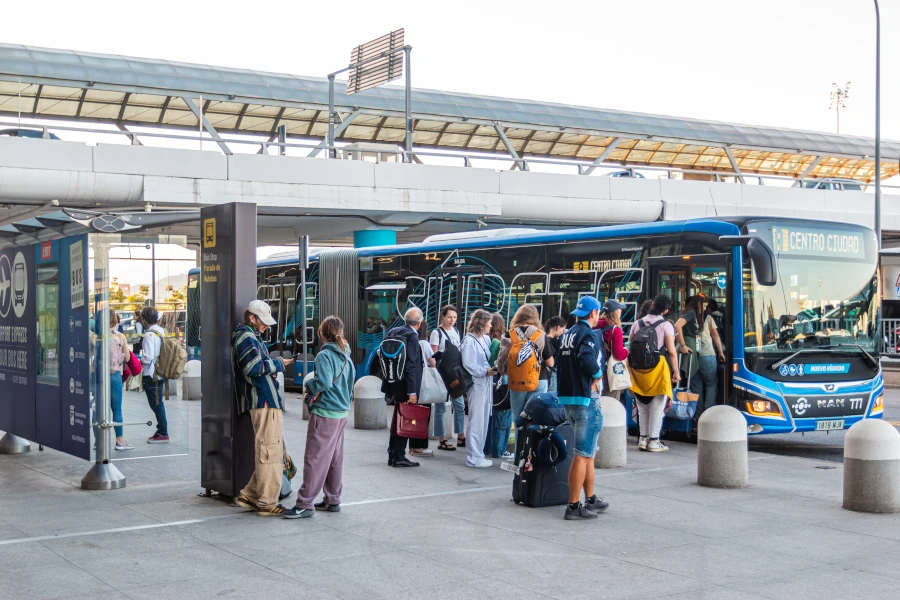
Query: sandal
(445, 446)
(460, 442)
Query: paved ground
(438, 531)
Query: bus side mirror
(761, 256)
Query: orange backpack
(524, 362)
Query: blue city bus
(798, 299)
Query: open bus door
(681, 277)
(280, 294)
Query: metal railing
(890, 337)
(466, 157)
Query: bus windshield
(826, 294)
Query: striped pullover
(254, 372)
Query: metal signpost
(372, 64)
(303, 265)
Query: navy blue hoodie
(578, 365)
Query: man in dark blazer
(407, 389)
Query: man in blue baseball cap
(579, 375)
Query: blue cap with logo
(611, 305)
(586, 305)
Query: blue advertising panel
(73, 410)
(44, 339)
(17, 342)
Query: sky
(766, 62)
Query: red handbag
(132, 367)
(412, 421)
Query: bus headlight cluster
(763, 408)
(878, 405)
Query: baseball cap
(263, 311)
(586, 305)
(611, 305)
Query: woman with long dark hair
(331, 392)
(501, 418)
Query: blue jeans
(459, 416)
(587, 421)
(498, 433)
(154, 391)
(553, 384)
(115, 399)
(708, 381)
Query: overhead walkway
(88, 87)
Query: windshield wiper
(869, 358)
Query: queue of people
(528, 359)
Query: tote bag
(618, 374)
(433, 390)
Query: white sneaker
(423, 452)
(507, 456)
(657, 446)
(125, 446)
(642, 442)
(482, 464)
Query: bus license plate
(829, 425)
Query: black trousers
(397, 444)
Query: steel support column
(509, 147)
(333, 133)
(734, 164)
(599, 160)
(207, 126)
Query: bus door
(463, 287)
(681, 277)
(280, 294)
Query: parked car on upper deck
(832, 183)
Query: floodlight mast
(838, 98)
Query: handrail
(466, 156)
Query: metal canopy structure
(61, 84)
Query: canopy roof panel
(51, 83)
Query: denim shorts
(587, 421)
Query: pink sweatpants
(323, 461)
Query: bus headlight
(878, 405)
(763, 408)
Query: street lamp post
(877, 125)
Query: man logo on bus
(209, 233)
(800, 406)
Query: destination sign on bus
(802, 241)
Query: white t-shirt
(667, 329)
(427, 352)
(439, 339)
(707, 348)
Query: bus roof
(717, 226)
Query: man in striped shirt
(258, 393)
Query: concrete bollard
(613, 437)
(872, 467)
(190, 382)
(369, 410)
(722, 448)
(306, 379)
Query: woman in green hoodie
(331, 392)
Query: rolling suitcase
(536, 484)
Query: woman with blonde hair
(476, 359)
(331, 392)
(527, 333)
(119, 354)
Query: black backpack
(643, 349)
(457, 380)
(392, 356)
